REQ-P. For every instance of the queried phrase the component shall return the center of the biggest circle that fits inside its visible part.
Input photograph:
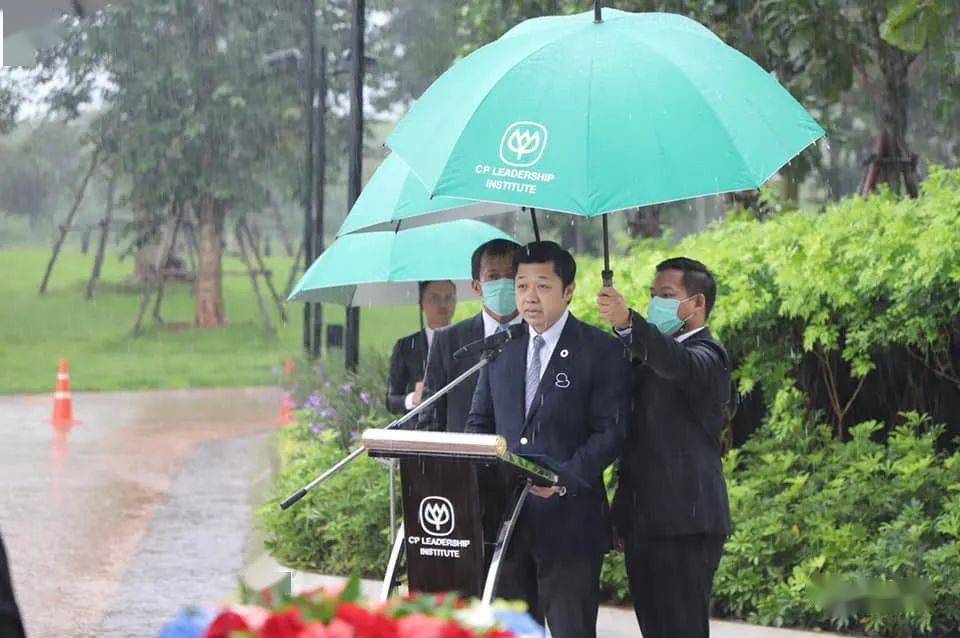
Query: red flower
(336, 629)
(340, 629)
(224, 624)
(366, 623)
(285, 625)
(453, 630)
(314, 630)
(420, 626)
(499, 633)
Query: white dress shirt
(490, 324)
(550, 338)
(408, 400)
(687, 335)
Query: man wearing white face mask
(671, 510)
(493, 268)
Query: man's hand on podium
(547, 492)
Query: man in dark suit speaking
(671, 503)
(558, 396)
(493, 268)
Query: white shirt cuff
(408, 401)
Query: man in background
(493, 269)
(408, 362)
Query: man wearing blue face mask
(493, 267)
(671, 510)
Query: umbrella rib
(593, 53)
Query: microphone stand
(485, 359)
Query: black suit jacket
(449, 413)
(407, 364)
(576, 427)
(671, 479)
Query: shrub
(342, 526)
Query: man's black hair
(541, 252)
(423, 286)
(697, 278)
(492, 248)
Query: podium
(445, 490)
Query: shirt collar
(490, 324)
(552, 334)
(429, 332)
(687, 335)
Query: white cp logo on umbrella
(523, 143)
(436, 516)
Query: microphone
(493, 342)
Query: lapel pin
(562, 380)
(564, 353)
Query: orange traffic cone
(287, 406)
(62, 403)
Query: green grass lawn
(96, 335)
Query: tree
(191, 113)
(9, 104)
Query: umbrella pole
(597, 18)
(536, 228)
(607, 274)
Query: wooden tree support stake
(267, 326)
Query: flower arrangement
(330, 614)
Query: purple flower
(314, 401)
(346, 388)
(316, 427)
(328, 413)
(365, 397)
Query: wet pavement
(141, 508)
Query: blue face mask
(499, 296)
(663, 313)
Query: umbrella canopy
(383, 267)
(394, 198)
(572, 115)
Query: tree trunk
(892, 162)
(210, 311)
(645, 222)
(210, 211)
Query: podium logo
(436, 516)
(523, 144)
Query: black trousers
(566, 591)
(671, 578)
(10, 624)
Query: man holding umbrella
(493, 269)
(671, 504)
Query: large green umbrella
(383, 267)
(394, 199)
(588, 116)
